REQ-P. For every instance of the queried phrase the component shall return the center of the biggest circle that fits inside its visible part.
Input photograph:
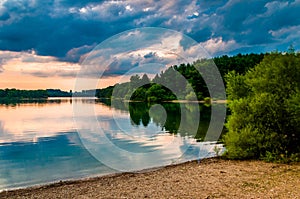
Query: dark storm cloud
(251, 22)
(52, 29)
(68, 29)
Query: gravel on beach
(211, 178)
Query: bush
(265, 107)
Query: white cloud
(108, 10)
(274, 6)
(147, 9)
(42, 66)
(129, 8)
(287, 35)
(283, 31)
(215, 45)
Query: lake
(71, 138)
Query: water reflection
(139, 114)
(39, 141)
(45, 160)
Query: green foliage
(105, 92)
(265, 107)
(58, 93)
(293, 109)
(235, 86)
(139, 94)
(239, 63)
(158, 92)
(180, 82)
(120, 90)
(11, 94)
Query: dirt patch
(211, 178)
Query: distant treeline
(58, 93)
(22, 94)
(178, 79)
(16, 94)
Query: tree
(265, 110)
(145, 80)
(135, 81)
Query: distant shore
(211, 178)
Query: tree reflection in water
(169, 116)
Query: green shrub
(265, 107)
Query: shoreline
(91, 178)
(85, 179)
(211, 178)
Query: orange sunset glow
(27, 70)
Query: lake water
(63, 138)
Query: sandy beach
(211, 178)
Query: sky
(45, 43)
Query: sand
(211, 178)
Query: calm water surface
(40, 142)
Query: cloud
(216, 45)
(78, 54)
(249, 23)
(68, 29)
(140, 50)
(36, 65)
(150, 55)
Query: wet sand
(211, 178)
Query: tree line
(180, 82)
(22, 94)
(16, 94)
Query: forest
(22, 94)
(17, 94)
(161, 86)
